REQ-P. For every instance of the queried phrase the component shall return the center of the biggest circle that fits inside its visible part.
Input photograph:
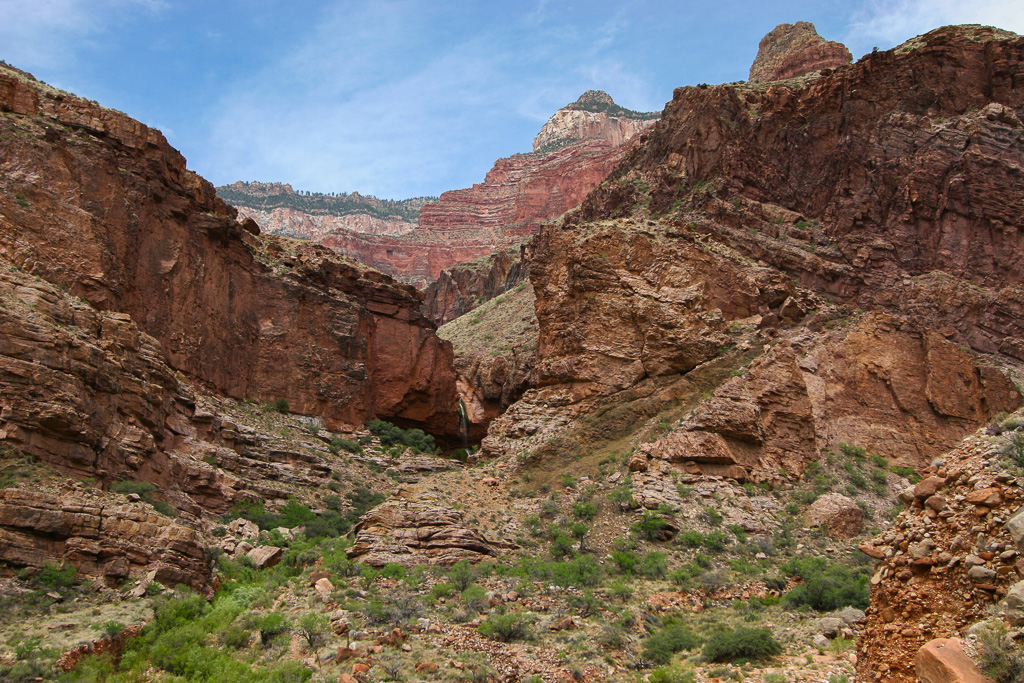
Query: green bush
(826, 586)
(654, 565)
(1001, 659)
(650, 526)
(390, 435)
(393, 570)
(660, 647)
(111, 628)
(579, 572)
(462, 575)
(627, 561)
(55, 576)
(347, 445)
(281, 406)
(584, 510)
(506, 627)
(712, 516)
(741, 644)
(675, 673)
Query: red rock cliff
(791, 50)
(120, 221)
(856, 234)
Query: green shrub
(826, 586)
(738, 532)
(349, 446)
(650, 526)
(712, 516)
(55, 576)
(852, 451)
(111, 628)
(328, 524)
(281, 406)
(654, 565)
(1001, 659)
(584, 510)
(443, 590)
(579, 572)
(313, 628)
(675, 673)
(390, 435)
(907, 472)
(234, 637)
(269, 625)
(506, 627)
(741, 644)
(627, 561)
(462, 575)
(393, 570)
(660, 647)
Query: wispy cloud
(373, 102)
(48, 33)
(886, 23)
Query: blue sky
(400, 98)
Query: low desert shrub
(741, 644)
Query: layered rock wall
(122, 222)
(791, 50)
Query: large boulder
(943, 660)
(837, 515)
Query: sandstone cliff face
(299, 224)
(791, 50)
(121, 222)
(736, 224)
(417, 531)
(463, 287)
(594, 116)
(100, 538)
(577, 149)
(89, 395)
(904, 171)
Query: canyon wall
(121, 222)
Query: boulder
(837, 515)
(1014, 604)
(943, 661)
(1015, 527)
(265, 555)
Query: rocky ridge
(279, 210)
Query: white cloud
(886, 23)
(373, 102)
(47, 33)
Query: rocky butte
(574, 151)
(792, 50)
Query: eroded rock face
(411, 531)
(121, 222)
(594, 116)
(463, 287)
(99, 538)
(733, 216)
(791, 50)
(884, 383)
